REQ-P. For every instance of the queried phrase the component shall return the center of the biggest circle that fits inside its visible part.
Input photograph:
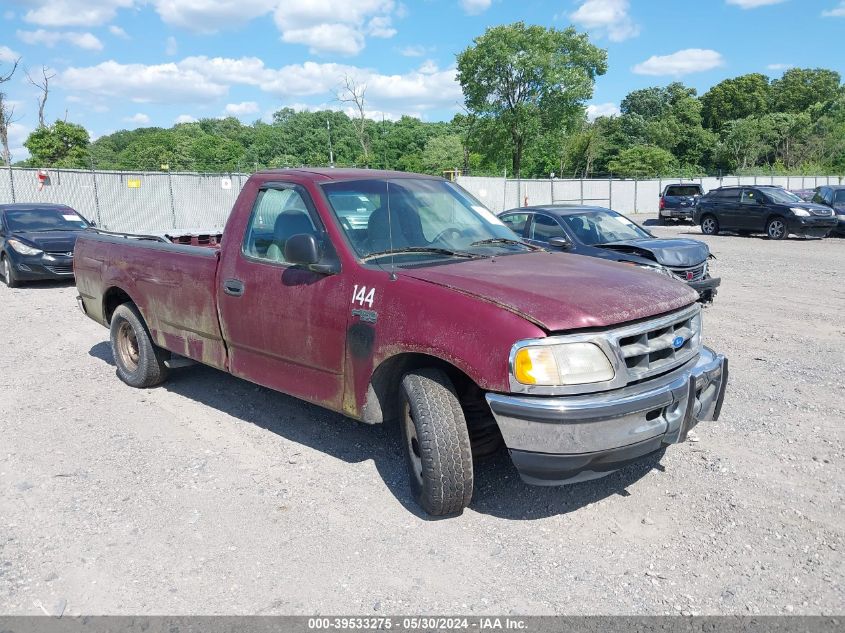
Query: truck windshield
(602, 227)
(59, 219)
(417, 219)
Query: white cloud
(139, 119)
(7, 54)
(327, 26)
(88, 41)
(74, 12)
(171, 46)
(606, 17)
(416, 50)
(118, 32)
(836, 12)
(780, 66)
(209, 16)
(595, 110)
(201, 79)
(684, 62)
(753, 4)
(242, 108)
(474, 7)
(184, 118)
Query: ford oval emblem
(678, 342)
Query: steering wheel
(447, 231)
(344, 222)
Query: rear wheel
(140, 363)
(709, 225)
(9, 273)
(436, 441)
(776, 228)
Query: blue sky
(129, 63)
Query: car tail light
(662, 203)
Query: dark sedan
(833, 196)
(600, 232)
(37, 240)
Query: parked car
(37, 240)
(677, 201)
(606, 234)
(762, 209)
(833, 196)
(434, 315)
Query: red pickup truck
(394, 297)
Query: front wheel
(9, 274)
(140, 363)
(776, 229)
(709, 225)
(436, 441)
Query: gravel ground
(209, 495)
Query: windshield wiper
(421, 249)
(505, 240)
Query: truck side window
(750, 196)
(278, 215)
(545, 228)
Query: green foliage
(643, 161)
(59, 145)
(736, 98)
(800, 88)
(528, 81)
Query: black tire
(661, 220)
(436, 442)
(776, 228)
(140, 363)
(8, 273)
(709, 225)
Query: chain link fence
(625, 196)
(159, 201)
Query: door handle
(233, 287)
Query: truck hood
(49, 241)
(560, 291)
(678, 252)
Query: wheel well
(773, 216)
(382, 404)
(113, 297)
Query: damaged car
(606, 234)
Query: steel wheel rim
(412, 445)
(776, 229)
(709, 225)
(127, 346)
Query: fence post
(581, 183)
(96, 195)
(610, 191)
(552, 190)
(12, 182)
(636, 206)
(172, 203)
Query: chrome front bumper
(581, 437)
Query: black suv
(678, 201)
(762, 209)
(833, 196)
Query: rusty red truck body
(396, 297)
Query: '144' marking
(361, 296)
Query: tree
(643, 161)
(800, 88)
(7, 114)
(62, 144)
(525, 77)
(43, 86)
(442, 153)
(354, 93)
(736, 98)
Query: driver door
(285, 326)
(752, 210)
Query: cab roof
(342, 173)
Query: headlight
(24, 249)
(799, 211)
(562, 364)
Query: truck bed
(173, 285)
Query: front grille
(61, 270)
(659, 345)
(822, 212)
(693, 273)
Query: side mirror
(560, 242)
(302, 249)
(761, 201)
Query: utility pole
(331, 153)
